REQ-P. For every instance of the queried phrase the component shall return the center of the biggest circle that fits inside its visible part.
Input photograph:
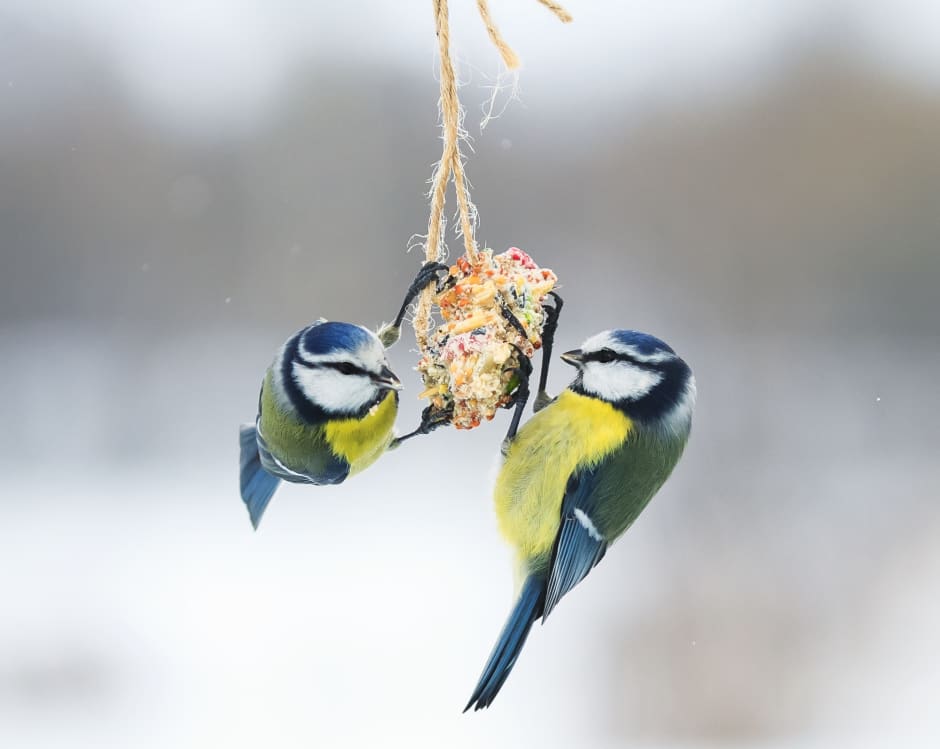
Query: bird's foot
(390, 333)
(431, 419)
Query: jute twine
(451, 163)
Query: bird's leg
(429, 273)
(430, 420)
(523, 369)
(542, 398)
(520, 397)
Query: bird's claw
(430, 272)
(551, 316)
(513, 320)
(431, 419)
(520, 397)
(390, 333)
(523, 370)
(549, 327)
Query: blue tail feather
(257, 485)
(528, 608)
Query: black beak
(573, 357)
(387, 379)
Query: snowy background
(183, 185)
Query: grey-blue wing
(580, 545)
(324, 467)
(600, 503)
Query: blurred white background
(184, 185)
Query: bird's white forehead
(607, 339)
(604, 339)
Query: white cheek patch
(333, 390)
(617, 381)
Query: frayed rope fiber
(451, 162)
(510, 58)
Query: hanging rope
(451, 162)
(510, 58)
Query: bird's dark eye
(346, 368)
(604, 356)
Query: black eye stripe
(605, 356)
(344, 367)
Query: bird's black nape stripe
(663, 397)
(307, 410)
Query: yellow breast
(361, 441)
(574, 431)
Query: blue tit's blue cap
(327, 337)
(644, 343)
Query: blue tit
(326, 411)
(327, 406)
(581, 470)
